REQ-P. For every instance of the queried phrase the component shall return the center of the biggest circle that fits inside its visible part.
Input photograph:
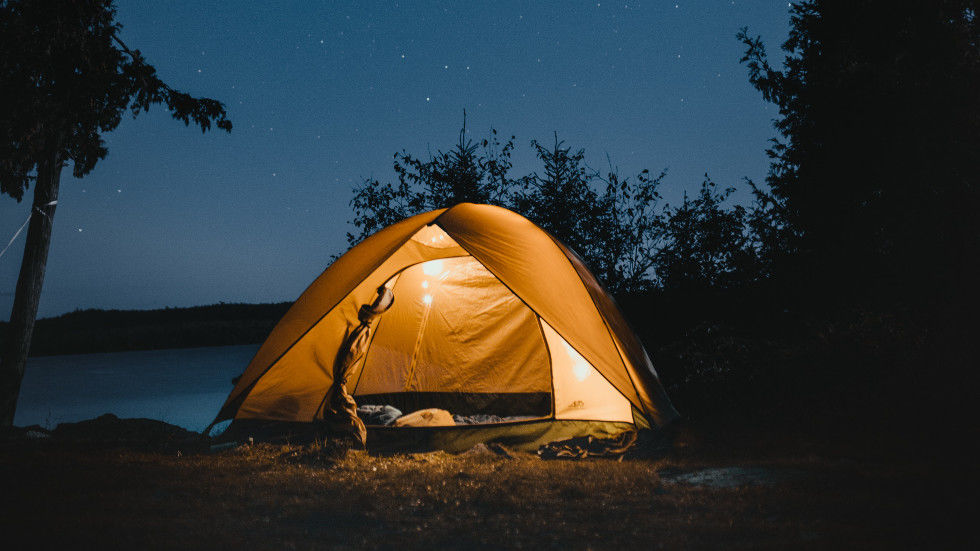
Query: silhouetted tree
(560, 198)
(616, 225)
(706, 245)
(65, 78)
(629, 232)
(613, 223)
(467, 173)
(771, 239)
(875, 171)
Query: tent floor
(518, 435)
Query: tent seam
(376, 329)
(551, 366)
(605, 322)
(519, 297)
(245, 392)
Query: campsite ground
(714, 491)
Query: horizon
(321, 98)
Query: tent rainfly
(491, 318)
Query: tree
(706, 245)
(560, 199)
(66, 78)
(612, 223)
(875, 170)
(628, 233)
(467, 173)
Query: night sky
(322, 97)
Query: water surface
(183, 386)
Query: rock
(731, 477)
(20, 434)
(492, 449)
(141, 433)
(36, 432)
(479, 449)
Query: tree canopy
(874, 171)
(619, 225)
(67, 78)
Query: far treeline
(92, 331)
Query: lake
(183, 386)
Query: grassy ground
(286, 497)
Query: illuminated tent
(491, 315)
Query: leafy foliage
(627, 231)
(874, 172)
(617, 225)
(706, 243)
(560, 198)
(66, 78)
(469, 172)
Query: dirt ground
(85, 495)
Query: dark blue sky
(322, 97)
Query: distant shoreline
(95, 331)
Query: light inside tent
(432, 267)
(427, 299)
(580, 367)
(425, 284)
(433, 236)
(580, 391)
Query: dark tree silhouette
(560, 198)
(627, 231)
(467, 173)
(65, 79)
(613, 223)
(706, 244)
(875, 171)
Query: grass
(289, 497)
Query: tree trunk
(28, 293)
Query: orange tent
(491, 315)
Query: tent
(491, 316)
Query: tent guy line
(24, 225)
